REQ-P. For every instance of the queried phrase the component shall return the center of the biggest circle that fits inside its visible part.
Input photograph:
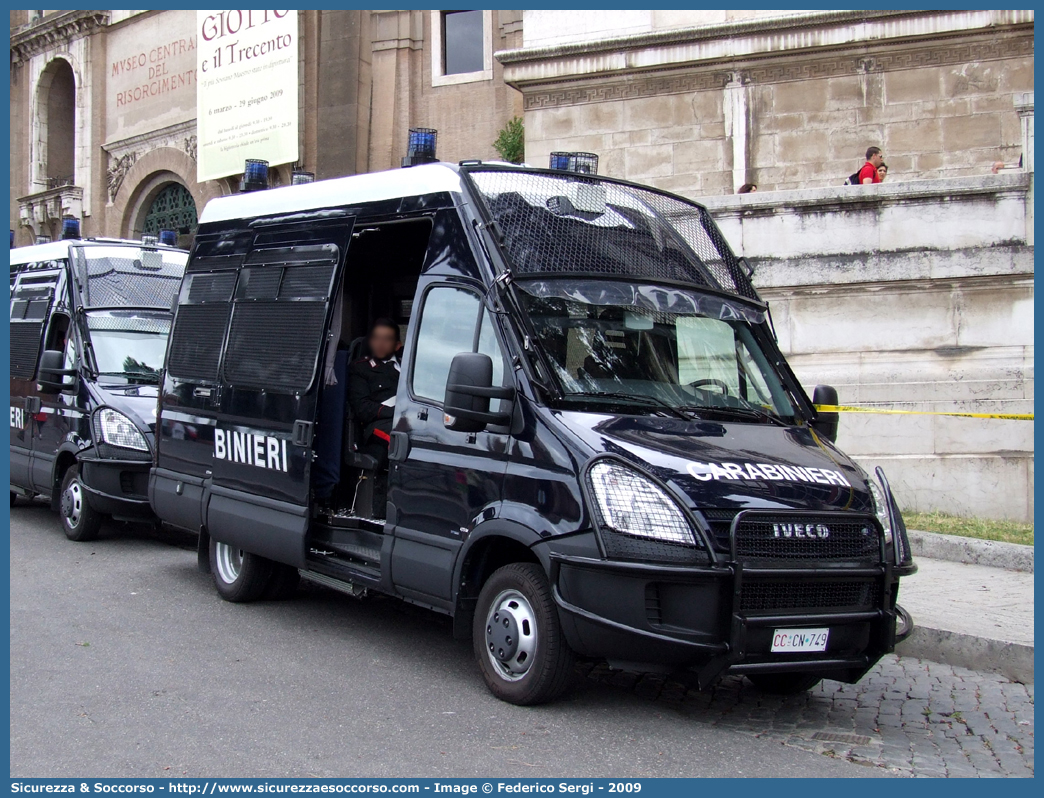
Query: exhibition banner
(246, 100)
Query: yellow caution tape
(850, 409)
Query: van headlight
(880, 508)
(637, 519)
(118, 430)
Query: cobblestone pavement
(911, 716)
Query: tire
(517, 637)
(285, 579)
(80, 521)
(239, 575)
(784, 683)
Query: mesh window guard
(279, 316)
(567, 224)
(130, 277)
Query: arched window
(57, 100)
(172, 209)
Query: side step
(359, 546)
(355, 551)
(348, 588)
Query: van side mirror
(825, 423)
(469, 388)
(51, 377)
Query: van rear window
(268, 315)
(30, 305)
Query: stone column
(398, 36)
(340, 93)
(1024, 106)
(737, 122)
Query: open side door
(270, 379)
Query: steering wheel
(711, 381)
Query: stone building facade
(86, 144)
(700, 102)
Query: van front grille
(775, 595)
(796, 539)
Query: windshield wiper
(634, 398)
(743, 412)
(152, 376)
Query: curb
(1012, 556)
(1012, 660)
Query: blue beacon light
(421, 147)
(70, 228)
(255, 175)
(584, 163)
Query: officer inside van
(372, 386)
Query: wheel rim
(229, 562)
(72, 503)
(511, 635)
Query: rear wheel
(784, 683)
(239, 575)
(517, 638)
(80, 521)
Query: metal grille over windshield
(567, 224)
(130, 277)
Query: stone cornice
(52, 32)
(747, 39)
(941, 189)
(867, 58)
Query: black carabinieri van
(597, 449)
(89, 326)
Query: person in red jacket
(868, 174)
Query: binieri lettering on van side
(262, 451)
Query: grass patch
(982, 528)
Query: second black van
(89, 326)
(597, 448)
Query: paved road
(125, 663)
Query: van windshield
(129, 345)
(656, 348)
(127, 276)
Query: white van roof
(53, 250)
(371, 187)
(56, 250)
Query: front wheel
(517, 637)
(239, 575)
(80, 521)
(784, 683)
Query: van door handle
(302, 435)
(202, 393)
(398, 446)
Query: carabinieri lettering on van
(754, 472)
(245, 447)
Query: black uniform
(372, 382)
